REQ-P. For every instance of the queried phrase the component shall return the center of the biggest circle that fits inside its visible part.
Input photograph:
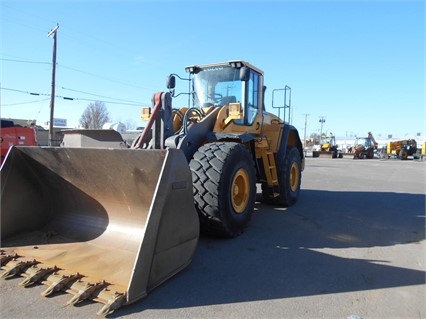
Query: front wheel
(224, 186)
(403, 154)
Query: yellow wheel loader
(111, 224)
(328, 147)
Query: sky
(358, 65)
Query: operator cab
(222, 84)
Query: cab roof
(235, 63)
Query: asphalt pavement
(353, 246)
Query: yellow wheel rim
(240, 190)
(294, 177)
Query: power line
(21, 103)
(110, 102)
(108, 97)
(25, 61)
(21, 91)
(31, 19)
(99, 76)
(75, 70)
(74, 98)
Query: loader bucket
(102, 224)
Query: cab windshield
(216, 86)
(366, 142)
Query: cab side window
(253, 97)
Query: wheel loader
(328, 147)
(111, 224)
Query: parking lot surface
(353, 246)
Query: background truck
(11, 134)
(111, 223)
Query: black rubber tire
(217, 170)
(403, 154)
(289, 166)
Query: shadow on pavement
(278, 257)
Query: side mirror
(171, 82)
(244, 74)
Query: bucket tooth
(60, 282)
(35, 274)
(5, 258)
(16, 267)
(114, 300)
(84, 291)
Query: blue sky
(358, 64)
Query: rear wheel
(289, 166)
(224, 185)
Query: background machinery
(364, 147)
(111, 224)
(328, 147)
(423, 151)
(401, 148)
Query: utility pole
(52, 95)
(306, 120)
(322, 121)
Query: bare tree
(94, 116)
